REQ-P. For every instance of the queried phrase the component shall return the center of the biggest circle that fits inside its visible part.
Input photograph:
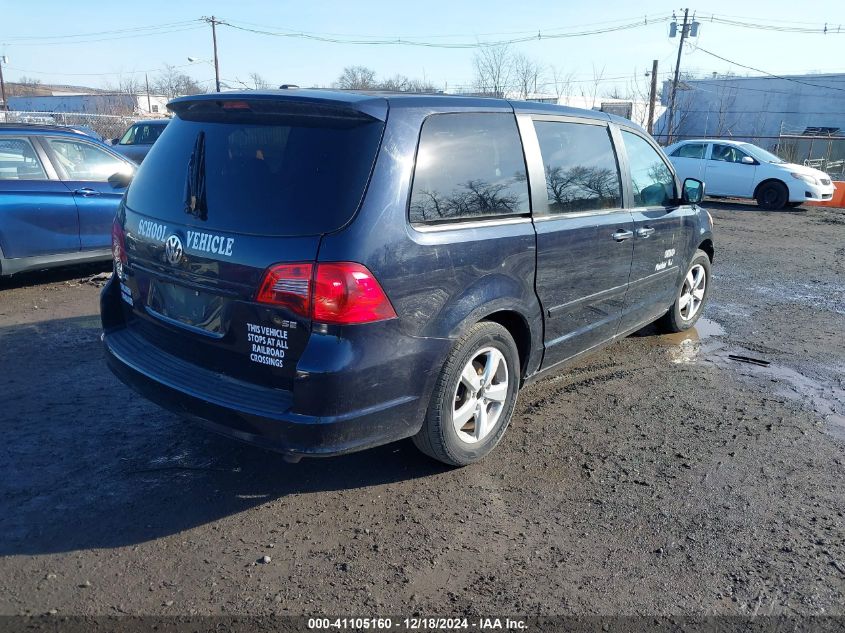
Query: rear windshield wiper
(195, 199)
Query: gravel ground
(657, 477)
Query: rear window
(690, 150)
(296, 175)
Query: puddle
(690, 345)
(696, 345)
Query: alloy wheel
(692, 292)
(480, 395)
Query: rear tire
(474, 397)
(772, 196)
(690, 297)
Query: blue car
(319, 272)
(138, 138)
(59, 191)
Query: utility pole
(214, 22)
(652, 97)
(3, 60)
(675, 80)
(147, 82)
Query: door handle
(645, 231)
(621, 235)
(86, 192)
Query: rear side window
(690, 150)
(652, 182)
(83, 161)
(142, 134)
(18, 160)
(295, 175)
(580, 165)
(469, 167)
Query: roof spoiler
(288, 103)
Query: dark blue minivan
(320, 272)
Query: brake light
(347, 293)
(236, 105)
(341, 293)
(118, 247)
(288, 285)
(118, 242)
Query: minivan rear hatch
(238, 183)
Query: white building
(91, 103)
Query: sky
(64, 42)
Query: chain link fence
(106, 126)
(821, 148)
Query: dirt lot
(657, 477)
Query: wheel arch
(768, 181)
(707, 247)
(517, 326)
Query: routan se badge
(173, 250)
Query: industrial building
(799, 117)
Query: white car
(732, 169)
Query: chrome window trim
(477, 224)
(581, 214)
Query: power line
(123, 36)
(824, 29)
(96, 33)
(398, 41)
(530, 32)
(109, 74)
(798, 81)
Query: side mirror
(114, 141)
(693, 191)
(120, 179)
(747, 160)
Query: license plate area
(194, 309)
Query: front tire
(772, 196)
(690, 297)
(474, 397)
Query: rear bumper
(250, 413)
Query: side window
(651, 180)
(727, 153)
(18, 160)
(690, 150)
(128, 137)
(580, 165)
(83, 161)
(469, 166)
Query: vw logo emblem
(173, 250)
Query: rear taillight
(342, 293)
(118, 242)
(118, 247)
(288, 285)
(346, 292)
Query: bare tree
(127, 84)
(493, 70)
(421, 85)
(725, 100)
(24, 87)
(592, 90)
(356, 78)
(397, 83)
(561, 82)
(258, 82)
(528, 74)
(171, 83)
(638, 91)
